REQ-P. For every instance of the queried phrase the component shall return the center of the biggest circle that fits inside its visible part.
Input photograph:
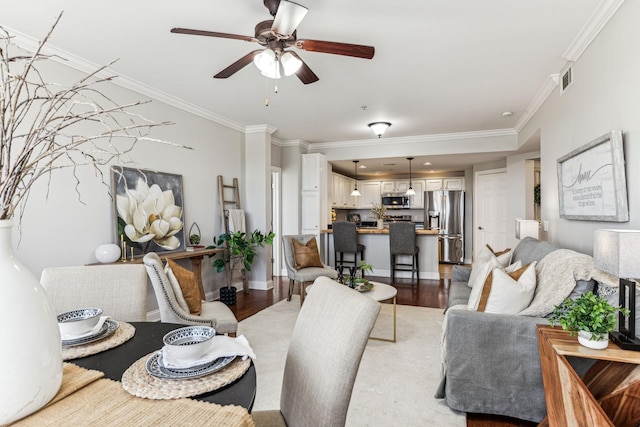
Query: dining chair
(402, 242)
(119, 290)
(303, 275)
(214, 313)
(324, 355)
(345, 241)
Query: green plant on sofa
(242, 248)
(588, 312)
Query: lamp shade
(267, 63)
(290, 64)
(527, 228)
(379, 128)
(616, 252)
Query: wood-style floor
(428, 293)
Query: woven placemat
(123, 334)
(137, 381)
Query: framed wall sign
(591, 181)
(148, 210)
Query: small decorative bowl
(188, 343)
(78, 322)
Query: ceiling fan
(276, 35)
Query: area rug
(396, 381)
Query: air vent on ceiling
(566, 78)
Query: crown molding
(260, 129)
(69, 59)
(603, 13)
(547, 88)
(295, 143)
(415, 139)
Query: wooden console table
(607, 395)
(195, 256)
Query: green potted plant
(590, 316)
(240, 253)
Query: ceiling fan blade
(212, 34)
(347, 49)
(237, 66)
(304, 73)
(288, 18)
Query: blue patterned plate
(108, 328)
(157, 369)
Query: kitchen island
(376, 252)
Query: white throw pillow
(177, 290)
(508, 295)
(480, 269)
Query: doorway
(490, 212)
(276, 221)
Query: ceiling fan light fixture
(290, 64)
(267, 63)
(379, 128)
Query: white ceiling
(439, 67)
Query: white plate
(157, 369)
(108, 328)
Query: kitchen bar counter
(376, 242)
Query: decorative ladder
(225, 205)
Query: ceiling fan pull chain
(266, 91)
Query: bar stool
(345, 240)
(402, 241)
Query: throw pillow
(306, 255)
(187, 282)
(177, 290)
(508, 293)
(480, 269)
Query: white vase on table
(380, 224)
(585, 338)
(31, 355)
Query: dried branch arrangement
(47, 126)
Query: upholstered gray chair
(402, 242)
(345, 241)
(324, 355)
(303, 275)
(119, 290)
(214, 313)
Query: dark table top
(148, 337)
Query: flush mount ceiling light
(410, 191)
(355, 191)
(379, 128)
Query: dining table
(147, 339)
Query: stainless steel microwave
(395, 201)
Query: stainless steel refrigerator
(444, 211)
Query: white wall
(603, 97)
(58, 230)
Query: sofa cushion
(530, 249)
(481, 268)
(508, 292)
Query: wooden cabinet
(342, 187)
(370, 191)
(434, 184)
(398, 186)
(313, 198)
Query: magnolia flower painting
(148, 206)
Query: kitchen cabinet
(370, 191)
(434, 184)
(417, 201)
(398, 186)
(313, 197)
(342, 187)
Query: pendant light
(355, 191)
(410, 191)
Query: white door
(276, 249)
(490, 212)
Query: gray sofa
(492, 360)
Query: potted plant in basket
(590, 316)
(240, 253)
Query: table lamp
(527, 228)
(616, 252)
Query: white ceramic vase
(107, 253)
(584, 338)
(380, 224)
(31, 355)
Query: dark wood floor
(428, 293)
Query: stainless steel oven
(395, 200)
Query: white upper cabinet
(433, 184)
(311, 172)
(399, 186)
(370, 191)
(342, 187)
(417, 201)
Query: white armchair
(214, 313)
